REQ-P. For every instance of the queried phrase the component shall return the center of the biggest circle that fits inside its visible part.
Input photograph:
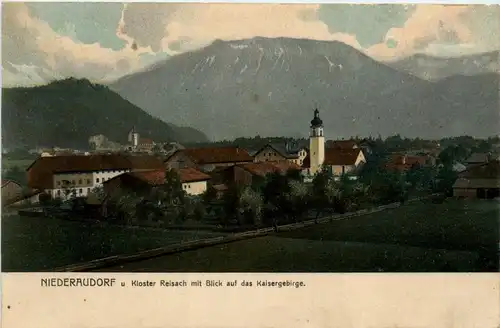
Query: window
(80, 181)
(97, 180)
(80, 191)
(88, 181)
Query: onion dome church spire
(316, 121)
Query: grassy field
(35, 244)
(457, 236)
(22, 164)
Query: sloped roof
(264, 168)
(336, 156)
(146, 141)
(281, 149)
(216, 155)
(341, 144)
(464, 183)
(192, 175)
(477, 158)
(43, 168)
(157, 177)
(401, 162)
(490, 170)
(5, 182)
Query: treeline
(391, 144)
(278, 199)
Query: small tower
(316, 144)
(133, 137)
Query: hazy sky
(103, 41)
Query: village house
(288, 152)
(193, 181)
(477, 158)
(145, 145)
(248, 174)
(11, 191)
(28, 197)
(479, 181)
(208, 159)
(77, 175)
(342, 144)
(344, 157)
(403, 163)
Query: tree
(230, 203)
(275, 193)
(250, 207)
(445, 179)
(324, 191)
(209, 195)
(16, 174)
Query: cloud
(29, 41)
(147, 32)
(432, 27)
(182, 27)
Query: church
(339, 158)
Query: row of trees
(279, 198)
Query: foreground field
(36, 244)
(457, 236)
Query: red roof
(192, 175)
(217, 155)
(341, 144)
(43, 168)
(337, 156)
(145, 141)
(399, 162)
(264, 168)
(157, 177)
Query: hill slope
(67, 112)
(270, 87)
(436, 68)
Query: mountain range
(270, 87)
(435, 68)
(66, 113)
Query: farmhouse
(479, 181)
(77, 175)
(248, 174)
(193, 181)
(403, 162)
(275, 152)
(208, 159)
(11, 191)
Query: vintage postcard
(201, 139)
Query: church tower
(316, 144)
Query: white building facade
(80, 184)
